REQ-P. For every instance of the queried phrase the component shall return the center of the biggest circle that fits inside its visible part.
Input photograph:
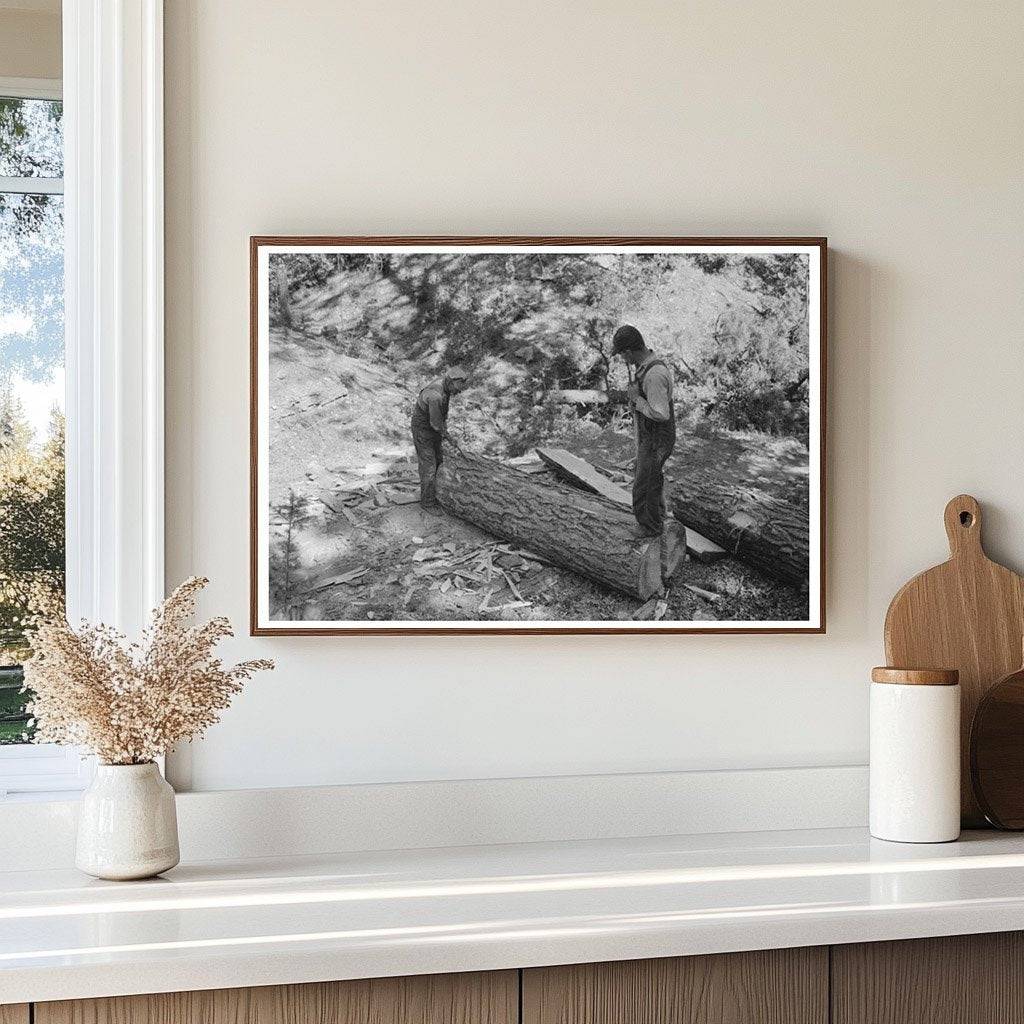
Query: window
(32, 562)
(109, 208)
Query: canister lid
(916, 676)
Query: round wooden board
(997, 753)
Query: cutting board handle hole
(962, 517)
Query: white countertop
(261, 922)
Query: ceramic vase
(127, 825)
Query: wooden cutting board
(967, 614)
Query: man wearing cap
(650, 394)
(430, 428)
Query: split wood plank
(701, 549)
(581, 473)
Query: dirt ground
(375, 554)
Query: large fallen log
(770, 534)
(570, 528)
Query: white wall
(895, 129)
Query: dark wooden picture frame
(815, 624)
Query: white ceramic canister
(915, 755)
(127, 825)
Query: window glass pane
(31, 138)
(31, 432)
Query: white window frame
(114, 324)
(32, 88)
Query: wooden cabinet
(970, 979)
(963, 979)
(777, 986)
(491, 998)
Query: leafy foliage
(31, 146)
(752, 371)
(31, 526)
(735, 327)
(31, 542)
(31, 138)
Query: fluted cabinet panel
(777, 986)
(961, 979)
(479, 998)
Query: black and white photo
(537, 435)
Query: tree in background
(751, 371)
(30, 146)
(285, 565)
(32, 554)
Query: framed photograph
(537, 435)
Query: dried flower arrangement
(129, 703)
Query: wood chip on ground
(708, 595)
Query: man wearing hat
(650, 394)
(430, 428)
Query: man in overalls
(430, 428)
(650, 394)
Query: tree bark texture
(767, 533)
(570, 528)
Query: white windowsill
(42, 771)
